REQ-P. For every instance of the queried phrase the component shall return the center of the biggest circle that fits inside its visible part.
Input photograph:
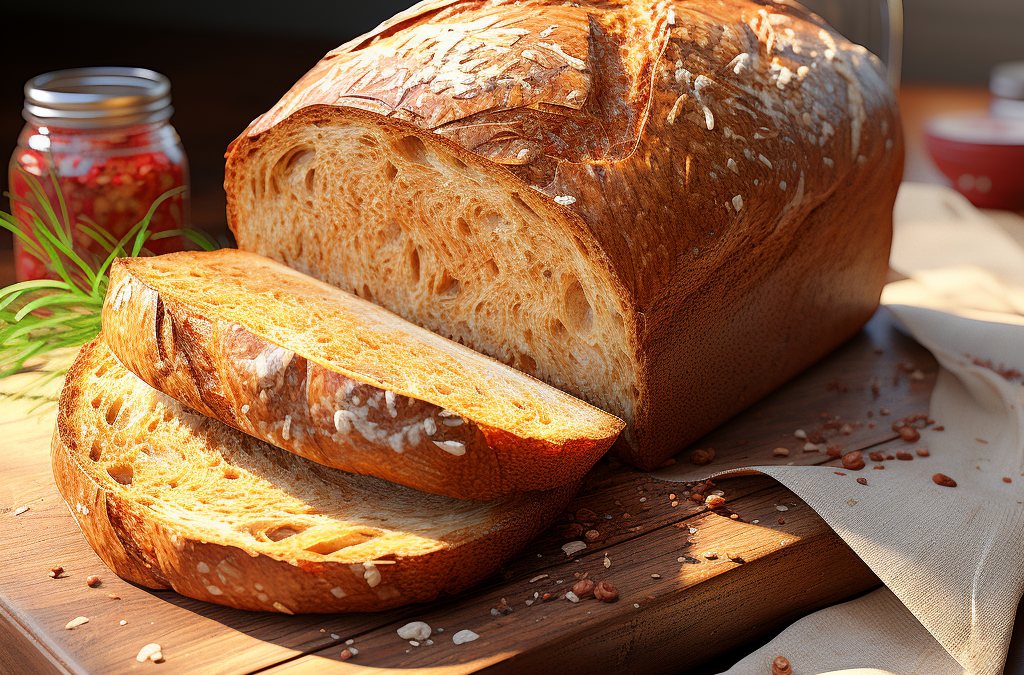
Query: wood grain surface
(677, 608)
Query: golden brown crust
(734, 162)
(155, 534)
(306, 391)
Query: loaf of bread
(341, 381)
(666, 208)
(171, 499)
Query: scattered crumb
(573, 547)
(464, 636)
(150, 652)
(76, 622)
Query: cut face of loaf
(171, 499)
(431, 234)
(667, 208)
(339, 380)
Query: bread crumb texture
(339, 380)
(170, 498)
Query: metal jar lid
(92, 98)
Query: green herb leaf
(38, 317)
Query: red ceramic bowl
(983, 156)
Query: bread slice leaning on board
(338, 380)
(665, 208)
(171, 499)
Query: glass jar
(104, 134)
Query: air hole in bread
(392, 232)
(153, 425)
(96, 451)
(523, 207)
(97, 402)
(490, 269)
(122, 473)
(365, 341)
(390, 171)
(102, 369)
(368, 141)
(448, 287)
(310, 180)
(335, 544)
(412, 150)
(493, 221)
(456, 163)
(414, 265)
(558, 329)
(366, 292)
(442, 388)
(282, 532)
(577, 308)
(464, 229)
(113, 409)
(230, 474)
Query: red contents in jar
(105, 184)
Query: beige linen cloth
(952, 559)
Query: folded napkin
(952, 558)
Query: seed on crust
(943, 480)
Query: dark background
(229, 61)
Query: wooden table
(677, 608)
(695, 610)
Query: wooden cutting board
(678, 606)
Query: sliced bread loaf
(338, 380)
(665, 207)
(172, 499)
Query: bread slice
(340, 381)
(665, 208)
(171, 499)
